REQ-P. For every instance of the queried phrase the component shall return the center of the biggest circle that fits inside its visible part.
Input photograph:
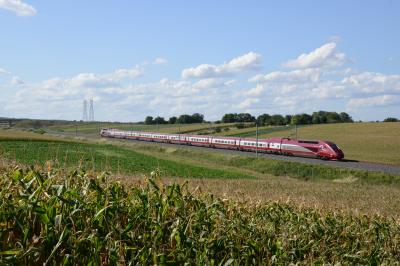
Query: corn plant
(52, 218)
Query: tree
(346, 118)
(391, 119)
(295, 120)
(245, 117)
(229, 118)
(159, 120)
(184, 119)
(264, 119)
(197, 118)
(277, 120)
(305, 119)
(315, 118)
(288, 119)
(172, 120)
(333, 117)
(148, 120)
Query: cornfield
(50, 217)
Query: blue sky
(173, 57)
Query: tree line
(320, 117)
(182, 119)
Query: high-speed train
(325, 150)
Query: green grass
(53, 218)
(264, 167)
(98, 157)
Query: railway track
(349, 164)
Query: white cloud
(119, 96)
(90, 80)
(4, 72)
(19, 7)
(160, 61)
(15, 81)
(310, 74)
(329, 90)
(372, 82)
(382, 100)
(324, 56)
(212, 83)
(246, 62)
(285, 102)
(127, 73)
(256, 91)
(248, 102)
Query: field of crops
(102, 158)
(64, 211)
(55, 218)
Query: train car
(225, 142)
(326, 150)
(198, 140)
(303, 148)
(174, 138)
(260, 145)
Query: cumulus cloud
(324, 56)
(89, 80)
(15, 81)
(372, 82)
(19, 7)
(3, 71)
(160, 61)
(310, 74)
(382, 100)
(212, 83)
(302, 89)
(248, 102)
(246, 62)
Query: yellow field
(373, 142)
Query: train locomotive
(325, 150)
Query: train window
(308, 141)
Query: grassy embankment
(73, 219)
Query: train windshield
(334, 147)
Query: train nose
(339, 155)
